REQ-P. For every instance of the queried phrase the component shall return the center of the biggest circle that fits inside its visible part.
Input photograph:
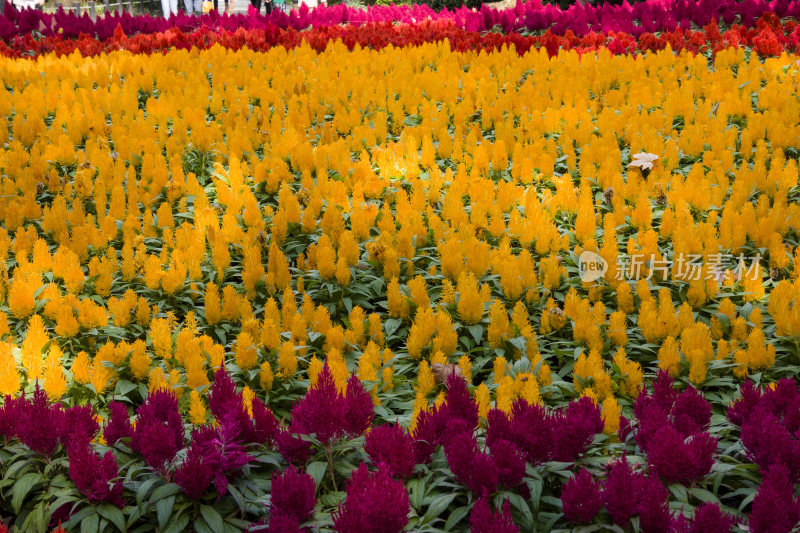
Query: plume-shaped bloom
(118, 425)
(374, 502)
(292, 499)
(93, 475)
(195, 473)
(709, 518)
(775, 509)
(390, 447)
(581, 498)
(483, 520)
(159, 432)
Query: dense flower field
(376, 277)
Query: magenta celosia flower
(280, 523)
(227, 406)
(775, 509)
(322, 411)
(194, 475)
(768, 442)
(375, 502)
(78, 423)
(425, 438)
(691, 412)
(392, 448)
(292, 448)
(220, 447)
(458, 403)
(679, 460)
(575, 430)
(34, 422)
(532, 430)
(265, 426)
(709, 518)
(358, 408)
(292, 496)
(118, 425)
(619, 489)
(472, 468)
(482, 520)
(159, 432)
(93, 476)
(739, 411)
(581, 498)
(509, 461)
(652, 504)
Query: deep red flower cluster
(769, 37)
(672, 432)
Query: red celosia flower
(93, 475)
(375, 502)
(392, 448)
(119, 424)
(775, 509)
(292, 496)
(358, 408)
(194, 475)
(482, 520)
(709, 518)
(581, 498)
(159, 432)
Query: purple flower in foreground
(195, 473)
(93, 475)
(709, 518)
(482, 520)
(581, 498)
(679, 460)
(392, 447)
(159, 430)
(292, 496)
(375, 502)
(118, 425)
(775, 509)
(358, 408)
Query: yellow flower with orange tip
(266, 376)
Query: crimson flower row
(769, 37)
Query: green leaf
(164, 510)
(703, 495)
(91, 524)
(456, 517)
(391, 325)
(21, 489)
(438, 506)
(476, 331)
(178, 524)
(317, 471)
(144, 489)
(164, 491)
(212, 517)
(113, 514)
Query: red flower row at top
(769, 37)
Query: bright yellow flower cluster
(165, 215)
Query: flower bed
(385, 277)
(651, 16)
